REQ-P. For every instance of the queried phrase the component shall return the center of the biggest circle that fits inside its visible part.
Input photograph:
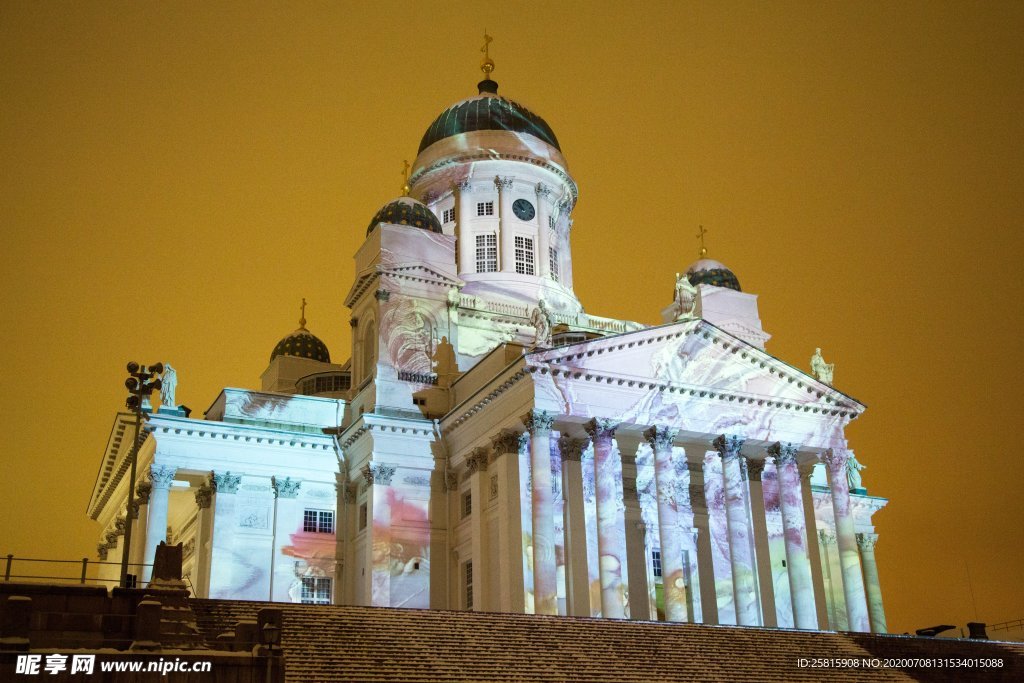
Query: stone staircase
(335, 643)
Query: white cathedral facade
(492, 445)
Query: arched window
(369, 350)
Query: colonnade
(685, 531)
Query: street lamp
(140, 383)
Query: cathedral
(491, 444)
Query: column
(670, 531)
(837, 618)
(705, 557)
(476, 463)
(741, 553)
(543, 231)
(866, 543)
(849, 558)
(798, 565)
(466, 244)
(511, 541)
(806, 471)
(378, 533)
(161, 477)
(762, 553)
(611, 520)
(204, 540)
(141, 520)
(545, 576)
(576, 569)
(288, 518)
(223, 582)
(506, 257)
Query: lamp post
(140, 384)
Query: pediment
(410, 271)
(681, 362)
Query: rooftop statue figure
(822, 370)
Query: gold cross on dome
(302, 318)
(405, 176)
(700, 235)
(487, 65)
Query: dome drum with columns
(490, 445)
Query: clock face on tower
(523, 210)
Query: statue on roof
(541, 321)
(853, 468)
(686, 296)
(168, 385)
(822, 370)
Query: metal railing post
(7, 571)
(85, 566)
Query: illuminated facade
(491, 445)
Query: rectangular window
(485, 209)
(316, 591)
(467, 504)
(487, 253)
(318, 521)
(467, 574)
(524, 255)
(449, 215)
(362, 516)
(656, 561)
(551, 221)
(553, 262)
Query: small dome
(302, 344)
(711, 272)
(406, 211)
(487, 111)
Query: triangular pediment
(411, 271)
(694, 358)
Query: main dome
(488, 111)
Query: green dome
(406, 211)
(302, 344)
(488, 111)
(710, 272)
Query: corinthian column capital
(204, 496)
(728, 445)
(601, 428)
(755, 468)
(570, 448)
(378, 474)
(835, 460)
(161, 476)
(538, 421)
(477, 460)
(661, 438)
(866, 542)
(502, 183)
(506, 441)
(783, 452)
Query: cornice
(492, 155)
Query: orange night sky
(177, 176)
